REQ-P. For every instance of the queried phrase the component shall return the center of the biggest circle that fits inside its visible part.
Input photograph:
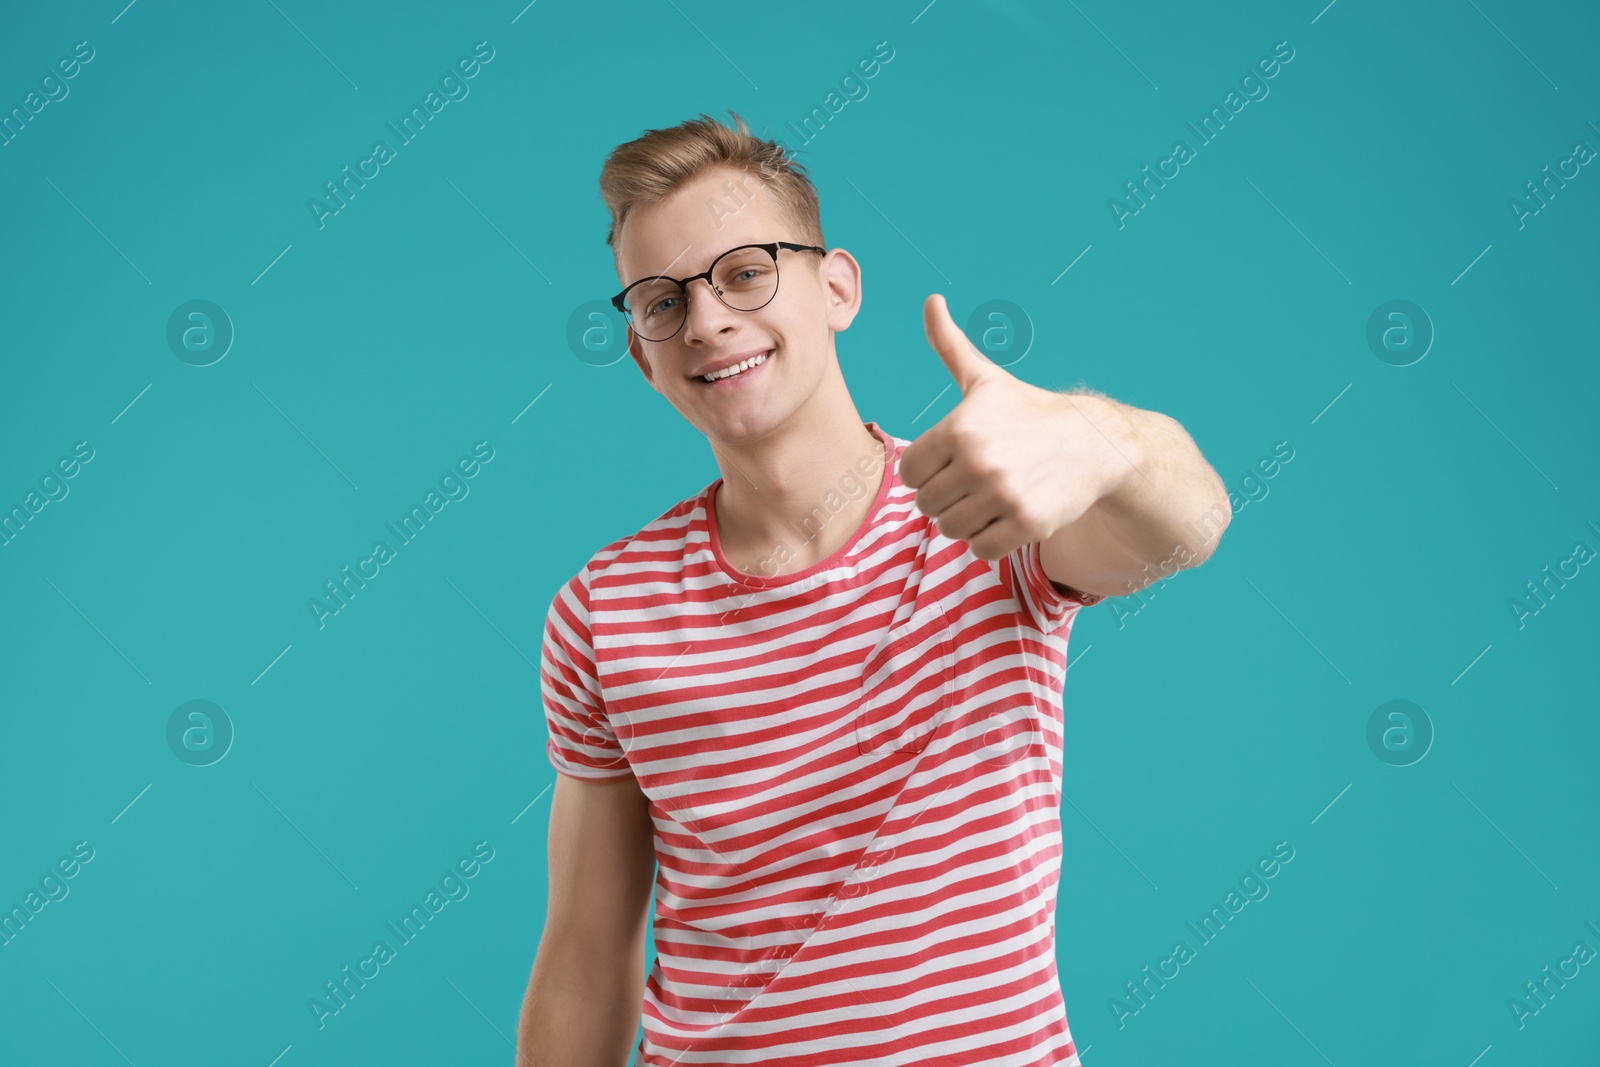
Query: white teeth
(753, 361)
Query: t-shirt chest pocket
(906, 685)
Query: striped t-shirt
(854, 775)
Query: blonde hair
(651, 168)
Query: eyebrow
(663, 273)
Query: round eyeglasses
(743, 278)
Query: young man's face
(816, 296)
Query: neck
(797, 495)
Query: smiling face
(817, 296)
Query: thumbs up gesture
(1012, 463)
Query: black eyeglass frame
(770, 247)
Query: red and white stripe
(854, 773)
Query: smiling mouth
(729, 376)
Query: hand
(1012, 463)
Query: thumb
(966, 364)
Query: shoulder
(666, 535)
(665, 538)
(607, 570)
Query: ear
(841, 281)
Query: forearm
(1159, 506)
(570, 1019)
(1173, 502)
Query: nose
(706, 313)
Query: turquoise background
(1228, 714)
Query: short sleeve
(582, 743)
(1048, 603)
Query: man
(825, 691)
